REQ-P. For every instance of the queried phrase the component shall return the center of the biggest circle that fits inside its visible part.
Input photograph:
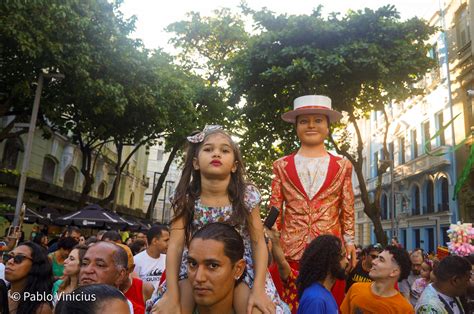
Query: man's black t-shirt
(358, 274)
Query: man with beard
(323, 261)
(380, 296)
(416, 258)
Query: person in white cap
(312, 188)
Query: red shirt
(286, 289)
(135, 295)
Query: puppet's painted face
(312, 129)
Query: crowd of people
(105, 276)
(217, 256)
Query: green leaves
(362, 60)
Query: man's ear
(122, 274)
(456, 280)
(395, 272)
(239, 268)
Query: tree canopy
(363, 61)
(114, 89)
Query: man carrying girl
(212, 188)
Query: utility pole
(29, 143)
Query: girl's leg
(186, 297)
(241, 297)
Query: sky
(154, 15)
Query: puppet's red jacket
(330, 211)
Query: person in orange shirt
(380, 296)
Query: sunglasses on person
(18, 258)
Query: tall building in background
(157, 159)
(424, 182)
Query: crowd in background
(124, 271)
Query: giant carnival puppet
(313, 188)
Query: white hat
(312, 104)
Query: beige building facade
(55, 180)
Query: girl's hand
(165, 305)
(260, 300)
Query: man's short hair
(155, 232)
(67, 243)
(452, 266)
(112, 235)
(417, 251)
(402, 258)
(72, 229)
(221, 232)
(372, 247)
(119, 256)
(137, 246)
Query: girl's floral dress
(204, 215)
(418, 287)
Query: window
(430, 236)
(445, 238)
(416, 236)
(49, 168)
(426, 136)
(391, 150)
(462, 28)
(159, 155)
(70, 179)
(132, 199)
(439, 124)
(10, 154)
(414, 144)
(444, 206)
(429, 194)
(416, 200)
(401, 150)
(403, 238)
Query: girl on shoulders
(212, 188)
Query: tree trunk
(116, 185)
(374, 214)
(161, 180)
(371, 209)
(86, 172)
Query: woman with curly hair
(323, 261)
(29, 272)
